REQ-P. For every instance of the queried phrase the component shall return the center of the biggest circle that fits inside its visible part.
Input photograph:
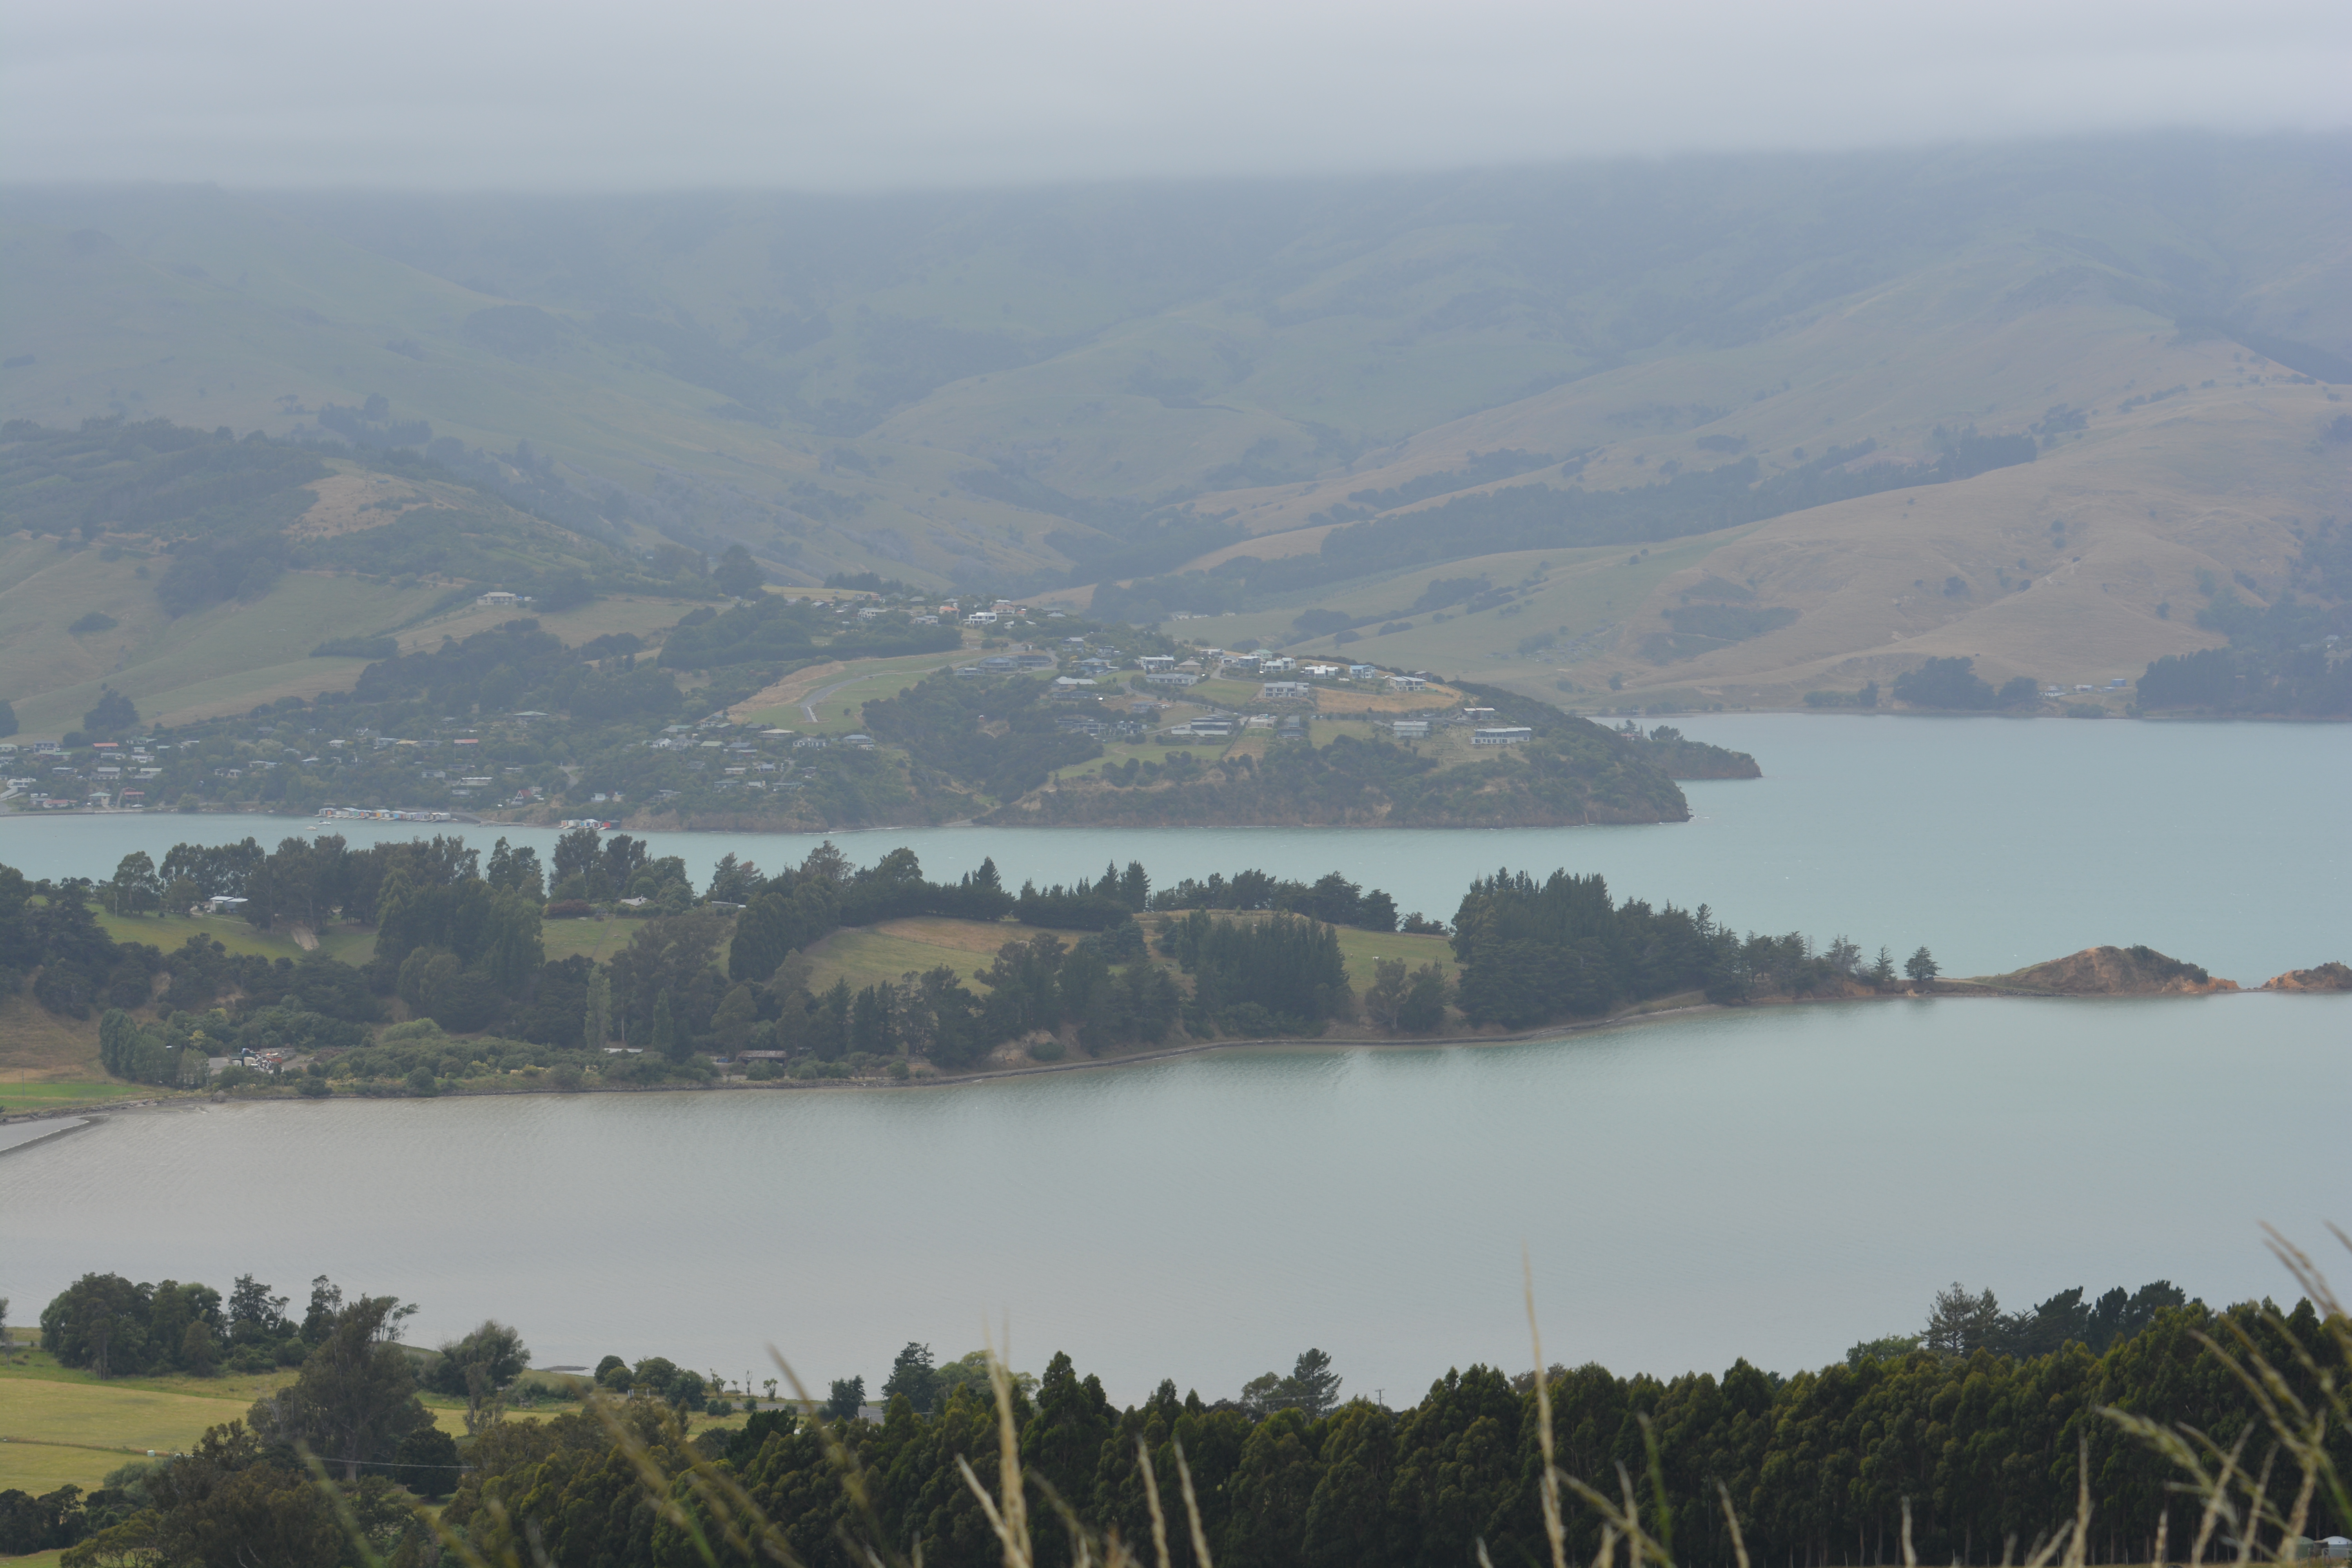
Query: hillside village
(765, 755)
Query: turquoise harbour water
(1774, 1183)
(1995, 842)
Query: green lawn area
(867, 679)
(1362, 949)
(866, 955)
(869, 954)
(1117, 753)
(170, 932)
(22, 1097)
(1223, 693)
(591, 937)
(349, 946)
(63, 1424)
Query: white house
(1502, 735)
(501, 598)
(1410, 729)
(1284, 690)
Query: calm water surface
(1995, 842)
(1776, 1184)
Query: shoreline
(1631, 1018)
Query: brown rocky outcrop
(2115, 972)
(2327, 977)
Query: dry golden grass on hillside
(2218, 456)
(355, 503)
(38, 1047)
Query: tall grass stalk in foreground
(2237, 1505)
(727, 1525)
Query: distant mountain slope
(196, 573)
(1028, 390)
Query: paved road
(809, 705)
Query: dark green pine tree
(665, 1032)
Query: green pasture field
(1358, 948)
(1579, 591)
(170, 932)
(593, 937)
(68, 1095)
(224, 659)
(872, 955)
(868, 955)
(863, 681)
(63, 1424)
(349, 946)
(640, 614)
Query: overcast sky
(595, 94)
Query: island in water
(420, 968)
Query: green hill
(1791, 375)
(198, 575)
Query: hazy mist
(920, 93)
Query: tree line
(1985, 1448)
(1531, 953)
(460, 945)
(1975, 1443)
(2285, 657)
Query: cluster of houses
(1166, 669)
(115, 773)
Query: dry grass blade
(2260, 1490)
(1009, 1482)
(1739, 1542)
(2307, 1276)
(1152, 1498)
(1662, 1505)
(853, 1474)
(651, 1476)
(2079, 1543)
(1010, 1520)
(1081, 1541)
(995, 1518)
(340, 1503)
(1193, 1510)
(1620, 1520)
(1555, 1532)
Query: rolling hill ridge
(1708, 429)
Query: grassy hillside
(65, 1425)
(199, 575)
(1024, 391)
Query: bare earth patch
(353, 503)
